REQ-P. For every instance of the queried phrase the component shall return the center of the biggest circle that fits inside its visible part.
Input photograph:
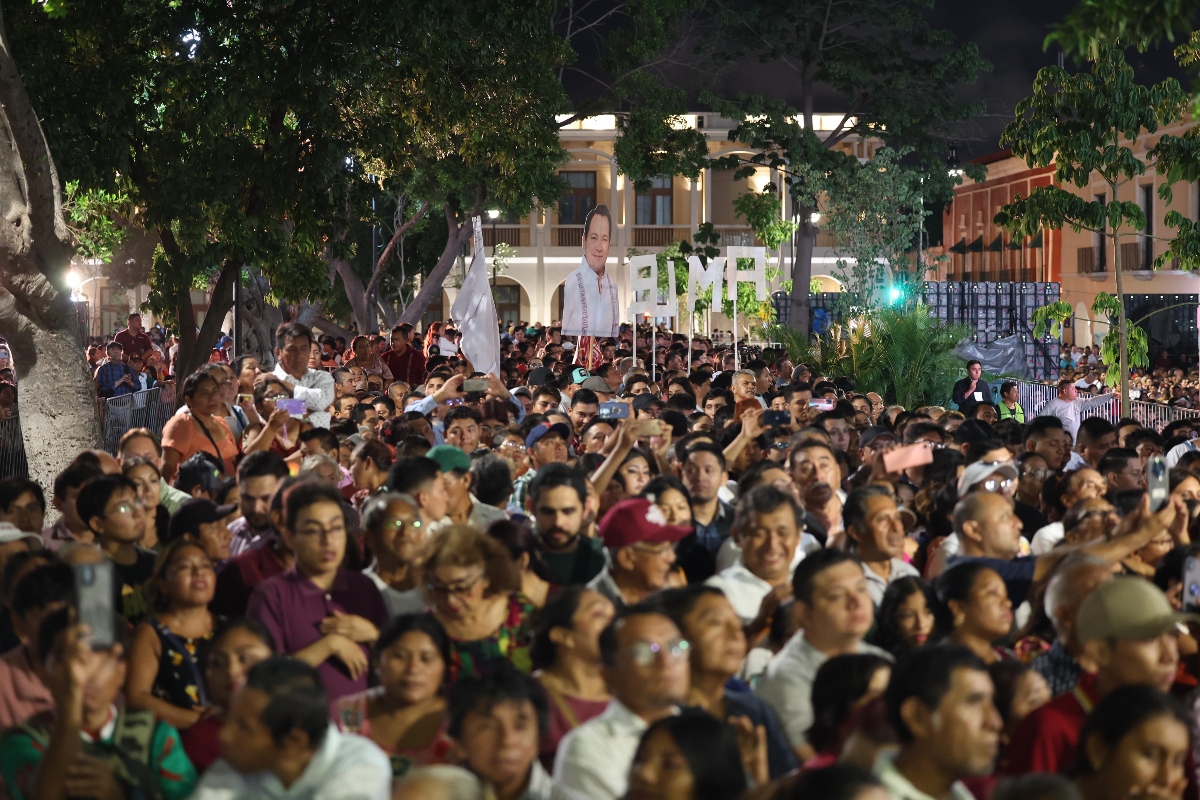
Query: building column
(706, 190)
(694, 210)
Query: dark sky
(1009, 33)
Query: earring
(959, 619)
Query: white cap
(981, 471)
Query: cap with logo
(539, 431)
(1127, 607)
(637, 520)
(579, 375)
(449, 458)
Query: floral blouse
(511, 642)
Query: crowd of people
(369, 572)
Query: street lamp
(493, 215)
(954, 169)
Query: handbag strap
(216, 450)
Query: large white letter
(643, 292)
(701, 277)
(758, 275)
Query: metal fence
(1033, 396)
(149, 409)
(12, 450)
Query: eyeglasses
(644, 654)
(779, 446)
(127, 508)
(996, 484)
(400, 524)
(443, 590)
(1037, 474)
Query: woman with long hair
(566, 657)
(973, 610)
(692, 756)
(168, 651)
(904, 620)
(406, 713)
(1135, 743)
(146, 476)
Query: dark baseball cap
(644, 401)
(875, 432)
(193, 513)
(541, 430)
(538, 376)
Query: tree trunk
(57, 398)
(431, 289)
(1123, 352)
(195, 348)
(356, 293)
(799, 317)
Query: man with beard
(560, 512)
(258, 477)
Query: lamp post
(955, 171)
(493, 215)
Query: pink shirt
(22, 693)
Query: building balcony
(1090, 261)
(516, 235)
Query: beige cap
(1127, 608)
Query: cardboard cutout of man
(591, 302)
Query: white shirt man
(1070, 407)
(313, 386)
(835, 612)
(591, 302)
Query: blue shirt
(107, 376)
(781, 758)
(714, 534)
(1016, 573)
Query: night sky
(1009, 33)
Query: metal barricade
(147, 409)
(12, 449)
(1156, 416)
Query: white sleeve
(572, 321)
(318, 397)
(791, 700)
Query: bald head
(987, 526)
(1075, 578)
(440, 782)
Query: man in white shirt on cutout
(646, 668)
(293, 345)
(591, 302)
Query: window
(578, 199)
(654, 207)
(1101, 240)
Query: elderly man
(641, 552)
(1074, 579)
(874, 525)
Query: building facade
(1163, 301)
(548, 242)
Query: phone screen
(293, 406)
(777, 419)
(1156, 483)
(94, 602)
(1191, 583)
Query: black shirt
(578, 566)
(1032, 519)
(967, 402)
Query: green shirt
(23, 748)
(578, 566)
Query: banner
(474, 311)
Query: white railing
(147, 409)
(1157, 416)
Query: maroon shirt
(409, 367)
(292, 607)
(135, 344)
(240, 576)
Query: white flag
(474, 311)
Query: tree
(1087, 125)
(875, 214)
(893, 77)
(58, 399)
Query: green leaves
(1049, 318)
(761, 212)
(1133, 23)
(91, 217)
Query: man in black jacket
(970, 391)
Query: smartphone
(1156, 483)
(821, 404)
(647, 427)
(914, 455)
(297, 408)
(777, 419)
(244, 398)
(614, 410)
(94, 598)
(1191, 583)
(475, 385)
